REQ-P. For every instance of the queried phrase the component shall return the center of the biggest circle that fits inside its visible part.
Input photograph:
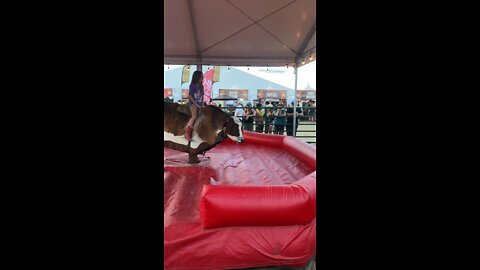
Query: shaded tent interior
(239, 32)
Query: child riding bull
(195, 95)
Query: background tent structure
(239, 32)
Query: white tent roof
(239, 32)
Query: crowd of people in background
(271, 117)
(274, 119)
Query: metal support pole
(295, 102)
(199, 67)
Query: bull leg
(193, 159)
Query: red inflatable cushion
(234, 206)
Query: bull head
(233, 129)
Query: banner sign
(207, 86)
(272, 94)
(306, 94)
(240, 94)
(167, 92)
(185, 74)
(216, 75)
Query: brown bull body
(211, 127)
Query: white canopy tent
(240, 33)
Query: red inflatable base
(245, 205)
(233, 206)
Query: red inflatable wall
(280, 205)
(227, 206)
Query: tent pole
(295, 102)
(199, 67)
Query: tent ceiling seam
(309, 49)
(255, 22)
(305, 42)
(229, 57)
(208, 48)
(248, 26)
(194, 29)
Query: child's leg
(189, 128)
(193, 109)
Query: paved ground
(308, 128)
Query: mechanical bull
(211, 127)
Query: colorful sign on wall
(167, 92)
(235, 93)
(272, 94)
(306, 94)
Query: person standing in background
(290, 114)
(269, 117)
(239, 112)
(279, 121)
(259, 118)
(313, 112)
(249, 117)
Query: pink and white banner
(207, 86)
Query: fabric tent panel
(253, 46)
(216, 20)
(292, 24)
(312, 44)
(259, 9)
(242, 44)
(177, 39)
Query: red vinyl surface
(232, 206)
(261, 205)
